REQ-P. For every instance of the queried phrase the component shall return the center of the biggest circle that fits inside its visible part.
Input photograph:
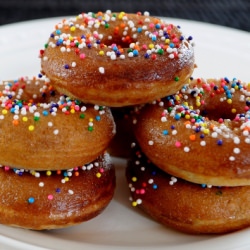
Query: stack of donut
(190, 168)
(54, 171)
(55, 129)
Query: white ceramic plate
(219, 52)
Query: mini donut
(200, 134)
(55, 199)
(185, 206)
(43, 130)
(117, 59)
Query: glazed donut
(55, 199)
(43, 130)
(200, 134)
(185, 206)
(117, 59)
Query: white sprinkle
(113, 57)
(50, 124)
(41, 184)
(70, 191)
(163, 119)
(214, 134)
(236, 140)
(101, 70)
(73, 64)
(139, 201)
(150, 181)
(174, 132)
(56, 132)
(186, 149)
(236, 150)
(231, 158)
(247, 140)
(203, 143)
(150, 143)
(37, 174)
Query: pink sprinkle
(220, 120)
(246, 108)
(82, 56)
(142, 191)
(101, 170)
(144, 46)
(50, 197)
(6, 168)
(151, 25)
(177, 144)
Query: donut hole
(215, 113)
(119, 41)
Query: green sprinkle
(90, 128)
(176, 78)
(82, 116)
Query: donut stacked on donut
(117, 59)
(54, 169)
(200, 135)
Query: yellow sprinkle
(198, 104)
(25, 119)
(33, 172)
(121, 14)
(48, 173)
(151, 46)
(66, 178)
(98, 175)
(4, 111)
(91, 119)
(187, 116)
(134, 204)
(229, 101)
(72, 111)
(101, 53)
(134, 179)
(206, 131)
(73, 28)
(233, 110)
(236, 87)
(31, 127)
(71, 38)
(167, 41)
(177, 98)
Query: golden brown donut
(201, 134)
(117, 59)
(55, 199)
(49, 131)
(185, 206)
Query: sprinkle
(150, 143)
(31, 200)
(101, 70)
(50, 197)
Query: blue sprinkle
(45, 112)
(203, 185)
(98, 118)
(219, 142)
(58, 32)
(155, 186)
(177, 117)
(135, 52)
(146, 55)
(31, 200)
(157, 26)
(139, 30)
(165, 132)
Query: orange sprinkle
(15, 122)
(77, 173)
(192, 137)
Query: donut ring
(117, 59)
(201, 134)
(183, 205)
(55, 199)
(49, 131)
